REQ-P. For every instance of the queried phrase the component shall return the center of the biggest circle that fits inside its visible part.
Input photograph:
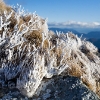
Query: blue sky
(62, 12)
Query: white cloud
(72, 24)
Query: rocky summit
(56, 88)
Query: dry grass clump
(53, 39)
(75, 70)
(13, 22)
(98, 54)
(72, 36)
(51, 33)
(20, 23)
(4, 7)
(84, 49)
(7, 9)
(17, 56)
(35, 37)
(90, 56)
(46, 44)
(27, 18)
(78, 69)
(98, 87)
(91, 85)
(58, 52)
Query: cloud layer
(72, 24)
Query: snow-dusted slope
(29, 52)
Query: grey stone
(56, 88)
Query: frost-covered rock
(57, 88)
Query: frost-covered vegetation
(29, 52)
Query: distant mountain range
(92, 36)
(96, 42)
(65, 30)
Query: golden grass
(75, 70)
(27, 18)
(35, 37)
(98, 87)
(46, 44)
(58, 52)
(12, 24)
(20, 23)
(4, 7)
(91, 86)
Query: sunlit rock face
(30, 52)
(64, 87)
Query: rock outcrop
(56, 88)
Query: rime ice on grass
(29, 52)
